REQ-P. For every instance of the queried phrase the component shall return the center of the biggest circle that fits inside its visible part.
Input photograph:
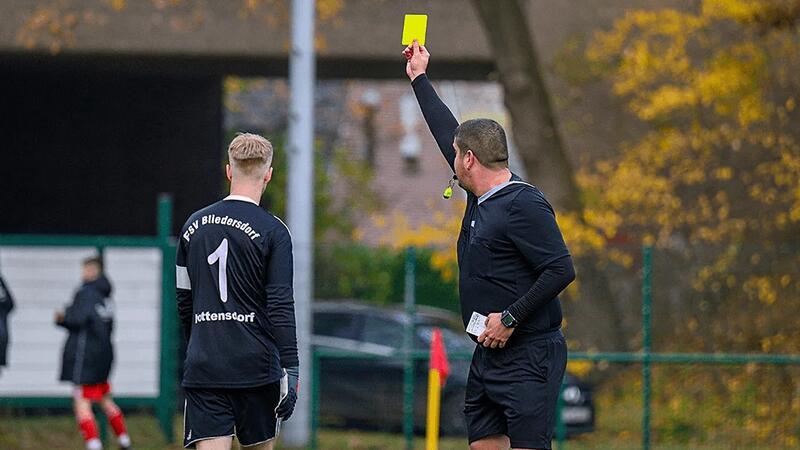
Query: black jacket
(88, 352)
(6, 305)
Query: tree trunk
(537, 138)
(535, 133)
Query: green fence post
(99, 414)
(561, 429)
(315, 393)
(408, 347)
(164, 219)
(646, 303)
(165, 405)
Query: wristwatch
(508, 320)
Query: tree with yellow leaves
(718, 168)
(713, 182)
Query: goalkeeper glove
(289, 386)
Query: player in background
(6, 305)
(235, 301)
(88, 354)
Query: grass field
(60, 432)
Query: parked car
(368, 392)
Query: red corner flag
(436, 377)
(439, 356)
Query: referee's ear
(228, 172)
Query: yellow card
(414, 27)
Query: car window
(382, 331)
(339, 325)
(453, 341)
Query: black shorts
(513, 391)
(247, 413)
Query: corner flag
(437, 375)
(439, 355)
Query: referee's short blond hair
(250, 155)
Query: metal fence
(653, 399)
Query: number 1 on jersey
(221, 255)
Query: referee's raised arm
(440, 120)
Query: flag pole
(434, 404)
(437, 374)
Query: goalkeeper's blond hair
(250, 155)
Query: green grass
(618, 429)
(60, 432)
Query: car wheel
(451, 420)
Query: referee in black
(512, 263)
(235, 300)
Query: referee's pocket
(540, 357)
(481, 260)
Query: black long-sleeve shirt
(511, 254)
(6, 305)
(235, 298)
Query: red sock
(88, 429)
(117, 422)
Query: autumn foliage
(713, 181)
(718, 167)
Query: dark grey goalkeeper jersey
(235, 298)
